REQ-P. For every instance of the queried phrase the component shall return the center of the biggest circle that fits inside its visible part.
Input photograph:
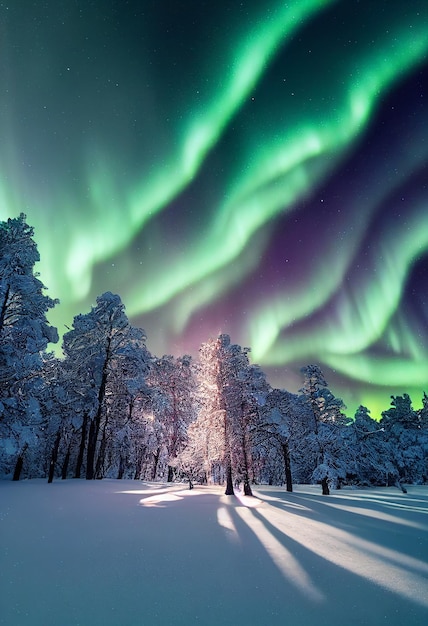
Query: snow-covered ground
(126, 553)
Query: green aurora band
(164, 169)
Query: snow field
(126, 553)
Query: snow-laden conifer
(24, 336)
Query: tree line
(110, 408)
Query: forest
(109, 408)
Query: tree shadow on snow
(392, 519)
(321, 591)
(302, 557)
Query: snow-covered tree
(369, 454)
(24, 336)
(190, 462)
(209, 430)
(423, 412)
(404, 431)
(60, 420)
(128, 399)
(274, 433)
(103, 349)
(173, 381)
(245, 393)
(229, 390)
(324, 440)
(423, 420)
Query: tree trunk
(229, 482)
(399, 485)
(81, 447)
(156, 456)
(247, 489)
(99, 466)
(90, 454)
(324, 485)
(19, 464)
(247, 486)
(170, 474)
(139, 463)
(65, 465)
(4, 307)
(54, 457)
(121, 468)
(228, 457)
(287, 466)
(96, 422)
(18, 467)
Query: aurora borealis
(254, 168)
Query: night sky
(254, 168)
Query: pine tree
(402, 426)
(324, 440)
(24, 336)
(369, 454)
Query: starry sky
(253, 168)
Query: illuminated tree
(208, 432)
(191, 462)
(173, 380)
(228, 388)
